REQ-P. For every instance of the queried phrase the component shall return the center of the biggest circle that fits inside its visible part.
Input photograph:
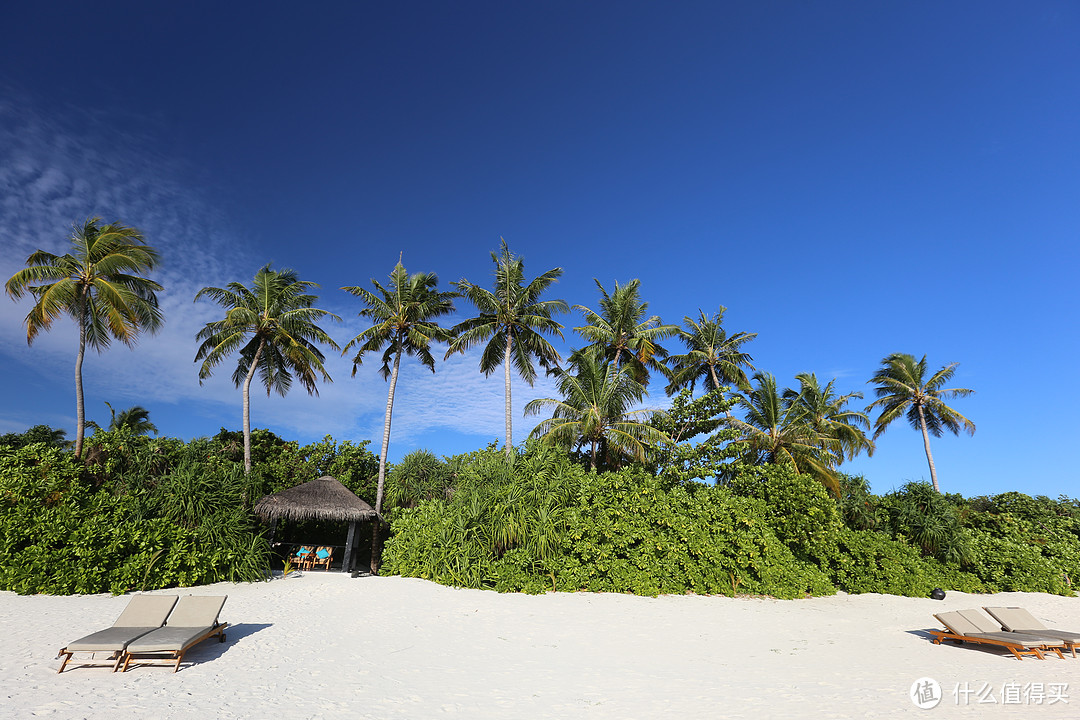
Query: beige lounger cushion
(167, 639)
(969, 623)
(143, 614)
(112, 639)
(190, 621)
(1019, 620)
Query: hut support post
(350, 543)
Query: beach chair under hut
(322, 499)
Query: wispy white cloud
(53, 174)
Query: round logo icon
(925, 693)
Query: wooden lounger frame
(114, 659)
(1018, 650)
(171, 657)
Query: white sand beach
(330, 646)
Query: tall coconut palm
(826, 413)
(272, 324)
(404, 316)
(902, 389)
(595, 412)
(136, 419)
(512, 321)
(99, 284)
(776, 431)
(712, 355)
(623, 333)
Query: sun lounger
(323, 556)
(1019, 620)
(304, 557)
(143, 614)
(974, 627)
(194, 619)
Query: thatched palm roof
(322, 499)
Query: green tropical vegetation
(272, 325)
(596, 413)
(623, 334)
(711, 356)
(737, 490)
(136, 419)
(404, 316)
(904, 390)
(512, 322)
(99, 285)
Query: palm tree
(403, 315)
(512, 321)
(712, 356)
(902, 390)
(594, 412)
(136, 419)
(272, 324)
(776, 431)
(825, 411)
(99, 285)
(622, 333)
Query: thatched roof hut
(322, 499)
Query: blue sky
(848, 179)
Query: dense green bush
(551, 525)
(870, 561)
(144, 513)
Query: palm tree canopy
(827, 414)
(903, 390)
(595, 411)
(776, 431)
(712, 355)
(136, 419)
(402, 316)
(512, 313)
(623, 333)
(272, 320)
(97, 284)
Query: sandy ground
(331, 646)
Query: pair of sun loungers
(307, 557)
(1012, 628)
(153, 630)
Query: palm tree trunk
(247, 407)
(375, 550)
(509, 420)
(593, 454)
(716, 386)
(926, 444)
(80, 408)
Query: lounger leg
(67, 656)
(127, 661)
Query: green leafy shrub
(798, 509)
(547, 524)
(869, 561)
